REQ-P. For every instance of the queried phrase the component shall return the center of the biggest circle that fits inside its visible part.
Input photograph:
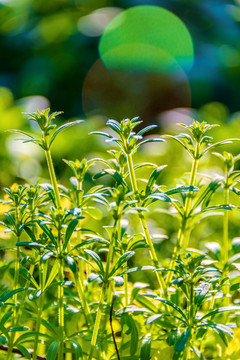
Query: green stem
(225, 248)
(183, 232)
(82, 297)
(53, 177)
(106, 284)
(61, 310)
(39, 313)
(97, 322)
(153, 254)
(15, 297)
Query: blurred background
(93, 59)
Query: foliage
(73, 290)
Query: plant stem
(53, 177)
(81, 295)
(103, 293)
(97, 322)
(225, 247)
(39, 313)
(182, 238)
(14, 316)
(61, 310)
(153, 254)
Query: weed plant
(69, 292)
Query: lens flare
(146, 36)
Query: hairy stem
(183, 232)
(104, 291)
(15, 297)
(152, 251)
(39, 313)
(53, 177)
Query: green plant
(78, 283)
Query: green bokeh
(146, 38)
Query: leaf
(3, 340)
(47, 232)
(201, 292)
(124, 258)
(18, 328)
(169, 303)
(24, 351)
(63, 127)
(139, 268)
(152, 179)
(181, 189)
(35, 294)
(72, 264)
(220, 310)
(5, 318)
(53, 350)
(27, 276)
(160, 196)
(97, 259)
(182, 341)
(146, 348)
(118, 280)
(29, 244)
(102, 133)
(7, 294)
(76, 348)
(131, 309)
(70, 229)
(52, 275)
(220, 327)
(134, 339)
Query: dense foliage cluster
(70, 292)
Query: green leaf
(182, 341)
(7, 294)
(53, 350)
(35, 294)
(124, 258)
(139, 268)
(97, 259)
(5, 318)
(72, 264)
(29, 244)
(146, 129)
(145, 353)
(132, 309)
(220, 310)
(153, 178)
(76, 348)
(27, 276)
(47, 232)
(18, 328)
(63, 127)
(70, 229)
(52, 275)
(161, 197)
(134, 339)
(24, 351)
(3, 340)
(181, 189)
(102, 133)
(169, 303)
(118, 280)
